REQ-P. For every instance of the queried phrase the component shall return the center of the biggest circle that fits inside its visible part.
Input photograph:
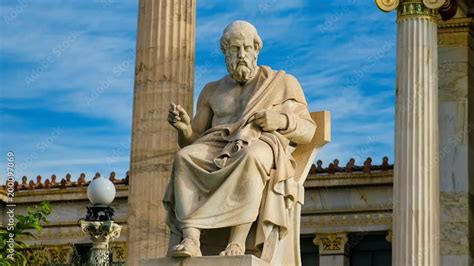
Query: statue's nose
(241, 52)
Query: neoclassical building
(347, 214)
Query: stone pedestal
(332, 249)
(164, 73)
(245, 260)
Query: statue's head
(240, 44)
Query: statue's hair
(243, 27)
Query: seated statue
(235, 166)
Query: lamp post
(98, 222)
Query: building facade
(347, 210)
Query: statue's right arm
(201, 122)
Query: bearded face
(241, 59)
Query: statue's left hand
(270, 120)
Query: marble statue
(235, 165)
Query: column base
(244, 260)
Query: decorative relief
(119, 251)
(416, 8)
(46, 255)
(346, 220)
(66, 254)
(38, 256)
(332, 243)
(101, 232)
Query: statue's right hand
(178, 118)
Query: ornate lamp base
(101, 233)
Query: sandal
(230, 250)
(187, 248)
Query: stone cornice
(349, 180)
(52, 195)
(456, 25)
(75, 223)
(367, 167)
(65, 183)
(362, 211)
(324, 222)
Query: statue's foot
(233, 249)
(187, 248)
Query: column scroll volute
(433, 4)
(387, 5)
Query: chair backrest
(305, 154)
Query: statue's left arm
(300, 127)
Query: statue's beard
(241, 70)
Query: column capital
(419, 8)
(101, 232)
(331, 243)
(389, 5)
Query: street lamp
(98, 222)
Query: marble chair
(287, 249)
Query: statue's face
(241, 58)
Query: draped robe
(236, 173)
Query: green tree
(35, 219)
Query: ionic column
(164, 73)
(416, 173)
(332, 249)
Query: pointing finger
(172, 106)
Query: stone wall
(455, 130)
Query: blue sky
(67, 75)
